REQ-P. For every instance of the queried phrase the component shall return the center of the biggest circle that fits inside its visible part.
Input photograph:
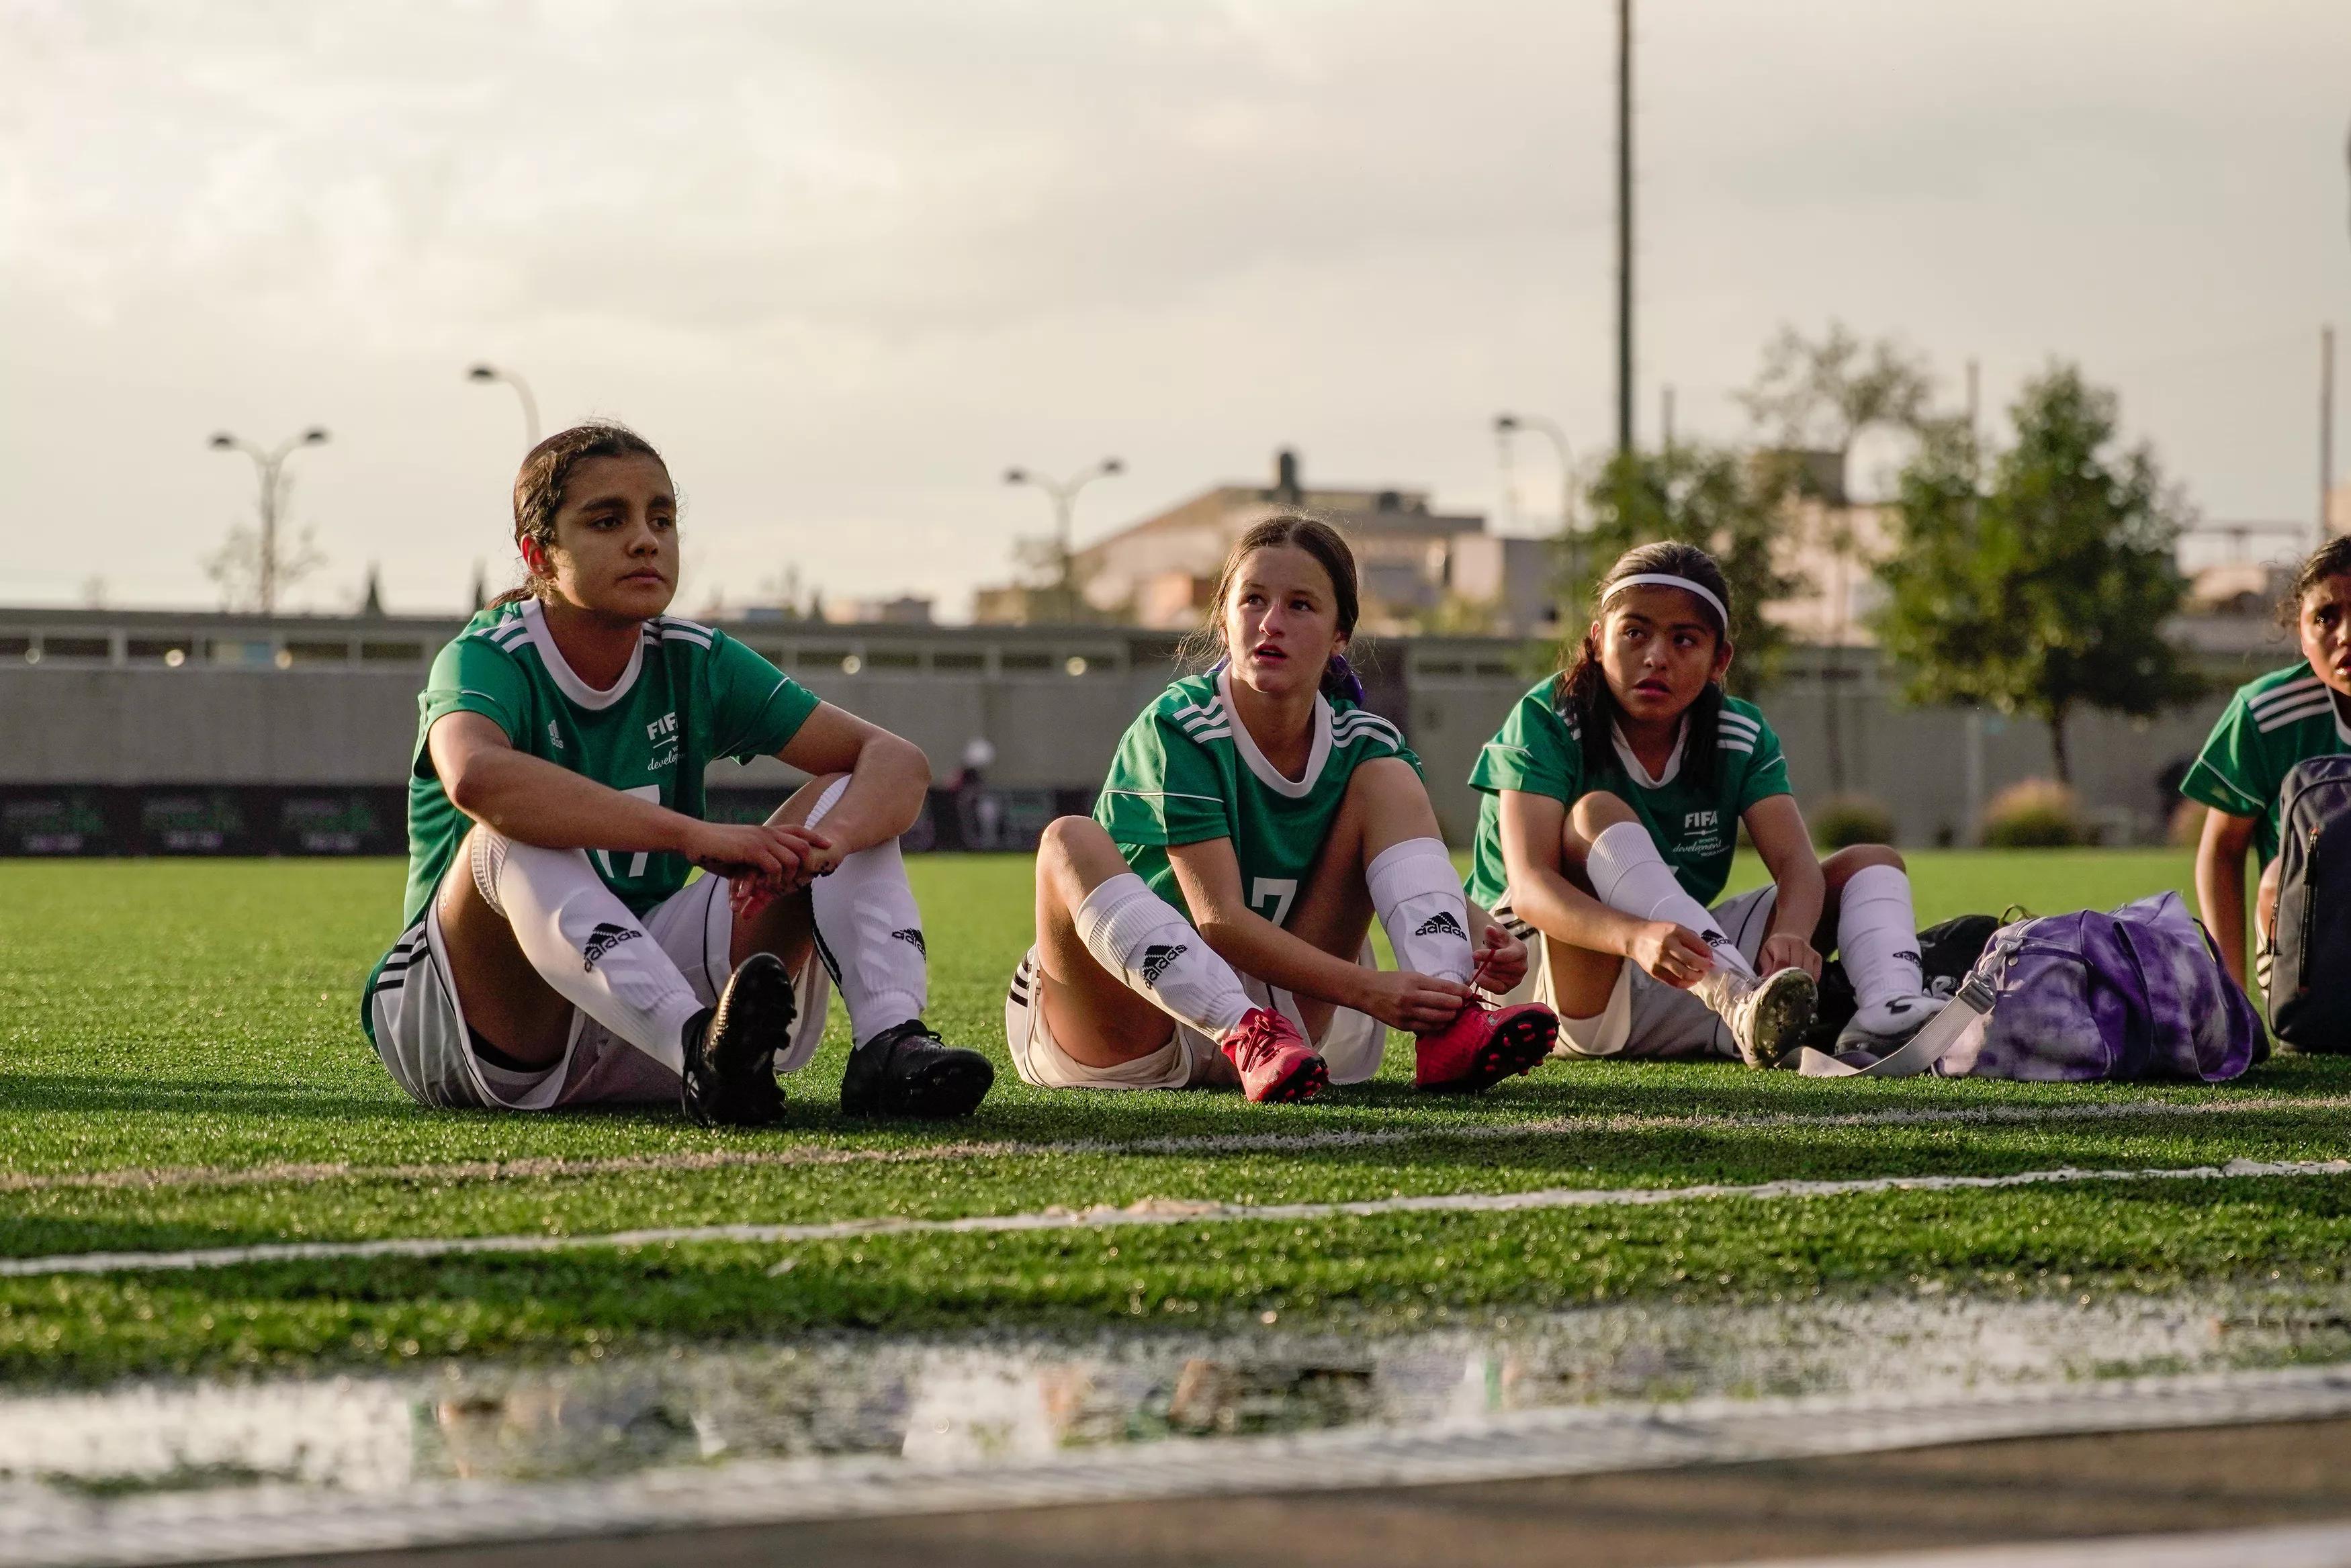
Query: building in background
(1420, 568)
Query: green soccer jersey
(690, 695)
(1188, 771)
(1539, 751)
(2286, 717)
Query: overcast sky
(845, 262)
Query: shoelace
(1255, 1041)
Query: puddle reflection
(966, 1401)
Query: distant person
(1614, 798)
(2271, 724)
(1206, 926)
(554, 954)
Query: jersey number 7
(638, 861)
(1275, 891)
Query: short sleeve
(2227, 775)
(755, 708)
(1535, 753)
(474, 675)
(1163, 788)
(1765, 773)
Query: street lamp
(1505, 425)
(486, 373)
(272, 466)
(1064, 493)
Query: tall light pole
(272, 465)
(1505, 425)
(486, 373)
(1064, 493)
(1624, 226)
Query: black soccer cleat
(730, 1049)
(910, 1072)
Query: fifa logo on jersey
(1156, 961)
(1698, 819)
(603, 940)
(1442, 924)
(662, 728)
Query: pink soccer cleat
(1273, 1059)
(1482, 1046)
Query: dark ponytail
(539, 487)
(1579, 692)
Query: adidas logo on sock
(1911, 956)
(1442, 923)
(1716, 940)
(1156, 961)
(603, 940)
(914, 938)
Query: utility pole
(2325, 433)
(1624, 226)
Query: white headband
(1667, 580)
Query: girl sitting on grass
(554, 954)
(1614, 795)
(2286, 717)
(1207, 925)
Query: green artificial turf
(160, 1017)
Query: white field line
(1148, 1211)
(246, 1522)
(2275, 1546)
(298, 1175)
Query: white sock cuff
(488, 856)
(1617, 850)
(1121, 911)
(1401, 870)
(828, 800)
(1874, 884)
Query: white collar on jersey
(1267, 773)
(1639, 775)
(566, 680)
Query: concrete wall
(118, 719)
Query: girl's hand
(1674, 954)
(755, 852)
(1786, 950)
(1502, 962)
(1416, 1003)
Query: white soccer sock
(1139, 938)
(1421, 906)
(1630, 877)
(869, 933)
(1878, 937)
(586, 944)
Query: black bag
(2310, 976)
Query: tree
(1822, 395)
(1731, 504)
(2049, 592)
(249, 581)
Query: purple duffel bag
(2139, 993)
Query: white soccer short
(419, 1029)
(1351, 1045)
(1645, 1018)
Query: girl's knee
(1841, 866)
(1596, 813)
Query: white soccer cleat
(1766, 1016)
(1885, 1027)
